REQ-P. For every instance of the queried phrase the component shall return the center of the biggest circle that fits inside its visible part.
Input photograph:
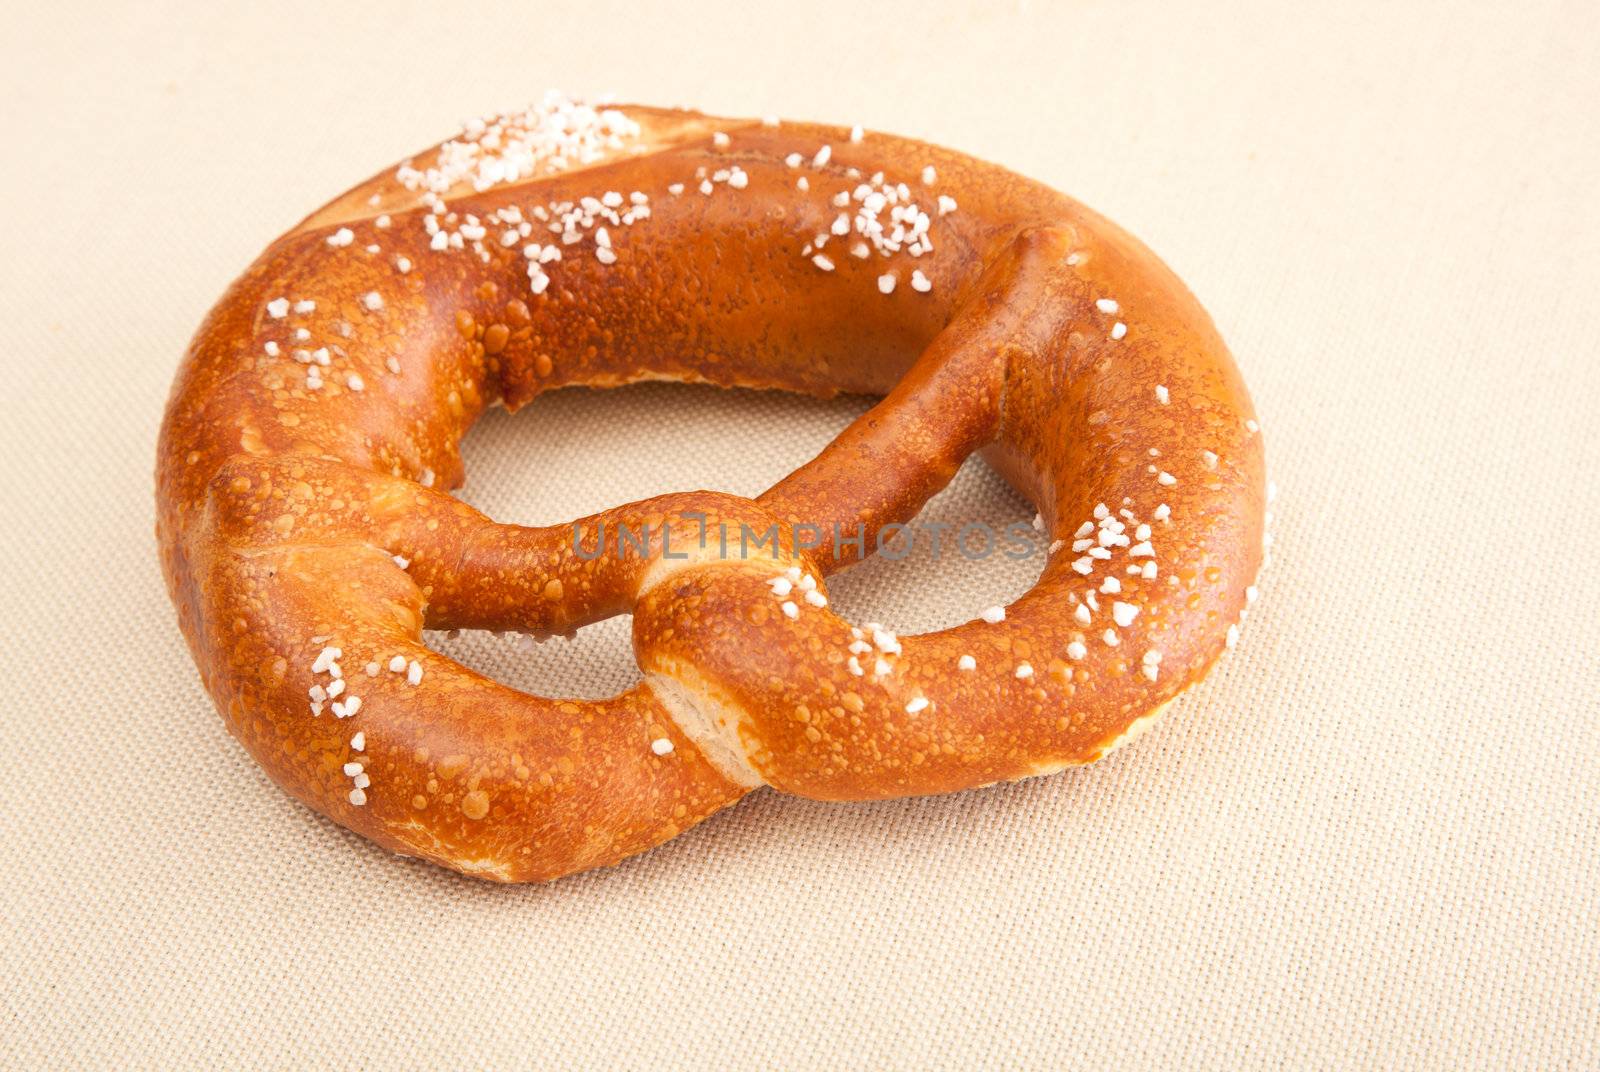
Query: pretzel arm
(892, 459)
(470, 571)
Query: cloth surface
(1369, 841)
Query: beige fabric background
(1371, 841)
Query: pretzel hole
(987, 554)
(595, 663)
(576, 451)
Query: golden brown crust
(304, 546)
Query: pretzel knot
(307, 536)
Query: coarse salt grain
(555, 134)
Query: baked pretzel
(307, 540)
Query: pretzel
(307, 536)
